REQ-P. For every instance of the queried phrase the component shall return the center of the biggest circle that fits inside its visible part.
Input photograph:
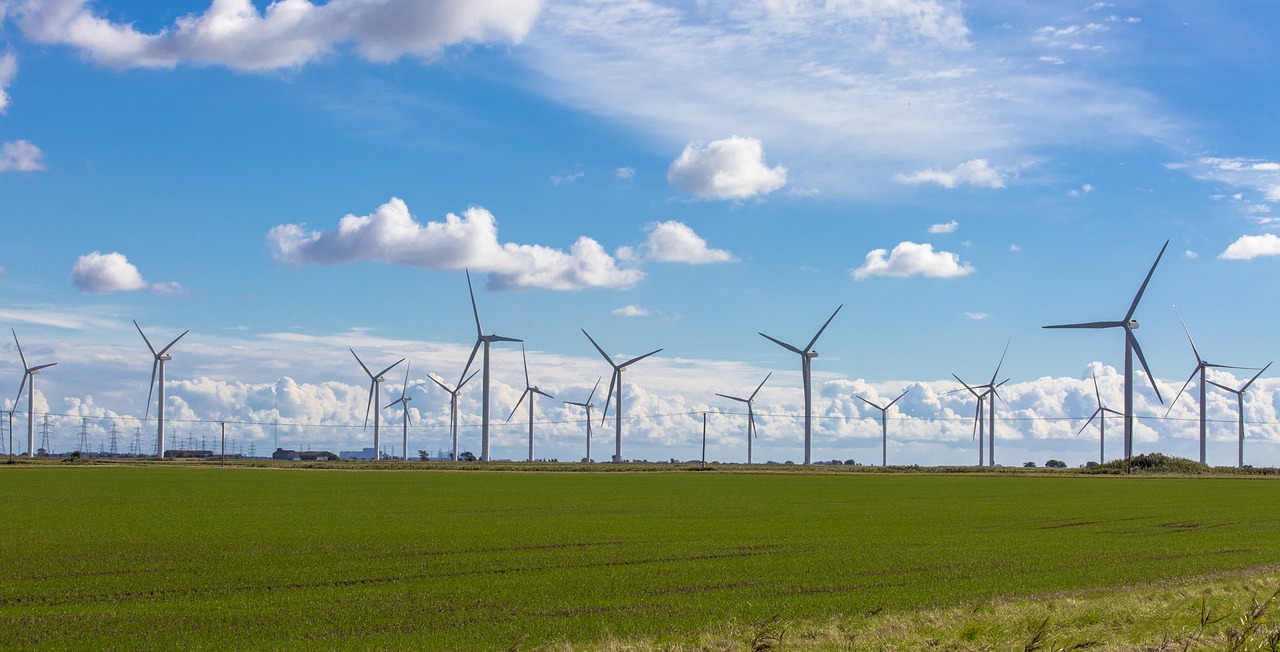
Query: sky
(292, 180)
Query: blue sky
(675, 175)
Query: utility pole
(704, 440)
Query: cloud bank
(8, 70)
(289, 33)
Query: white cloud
(1252, 246)
(8, 70)
(567, 178)
(911, 259)
(1081, 191)
(927, 19)
(976, 316)
(977, 172)
(630, 310)
(949, 227)
(1190, 255)
(1260, 175)
(20, 156)
(675, 242)
(731, 168)
(392, 235)
(99, 273)
(626, 174)
(289, 33)
(1015, 247)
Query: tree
(1055, 464)
(424, 455)
(1029, 465)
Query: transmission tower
(44, 435)
(115, 441)
(84, 436)
(253, 449)
(135, 449)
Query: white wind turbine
(375, 381)
(485, 340)
(1240, 406)
(587, 405)
(28, 374)
(404, 404)
(529, 390)
(1101, 413)
(1201, 368)
(751, 414)
(807, 354)
(160, 357)
(615, 381)
(454, 392)
(884, 424)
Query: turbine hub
(1133, 324)
(811, 354)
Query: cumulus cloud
(288, 33)
(977, 172)
(949, 227)
(99, 273)
(392, 235)
(912, 259)
(731, 168)
(675, 242)
(1252, 246)
(20, 156)
(630, 310)
(8, 70)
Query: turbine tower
(160, 357)
(1129, 324)
(978, 424)
(529, 390)
(375, 381)
(1240, 406)
(28, 374)
(587, 405)
(1101, 413)
(453, 403)
(751, 415)
(884, 425)
(1201, 366)
(486, 340)
(807, 354)
(615, 381)
(404, 403)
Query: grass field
(236, 558)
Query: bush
(1029, 465)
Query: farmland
(193, 556)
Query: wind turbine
(615, 381)
(529, 390)
(486, 340)
(1101, 413)
(977, 414)
(453, 403)
(807, 354)
(404, 402)
(1201, 366)
(1240, 406)
(884, 425)
(751, 415)
(1129, 324)
(27, 373)
(162, 356)
(375, 381)
(588, 406)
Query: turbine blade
(1088, 421)
(608, 397)
(1221, 386)
(1096, 392)
(904, 393)
(732, 398)
(20, 356)
(638, 359)
(524, 358)
(369, 405)
(475, 311)
(21, 386)
(1255, 377)
(1001, 364)
(502, 338)
(535, 390)
(405, 387)
(473, 375)
(824, 327)
(1091, 324)
(384, 371)
(751, 421)
(470, 359)
(1188, 332)
(399, 400)
(442, 385)
(1138, 297)
(782, 344)
(175, 341)
(593, 389)
(869, 403)
(966, 385)
(135, 324)
(517, 407)
(1143, 359)
(362, 365)
(766, 379)
(43, 366)
(602, 353)
(151, 388)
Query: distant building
(188, 454)
(362, 454)
(285, 454)
(317, 456)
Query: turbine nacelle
(1133, 324)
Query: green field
(236, 558)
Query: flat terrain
(200, 557)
